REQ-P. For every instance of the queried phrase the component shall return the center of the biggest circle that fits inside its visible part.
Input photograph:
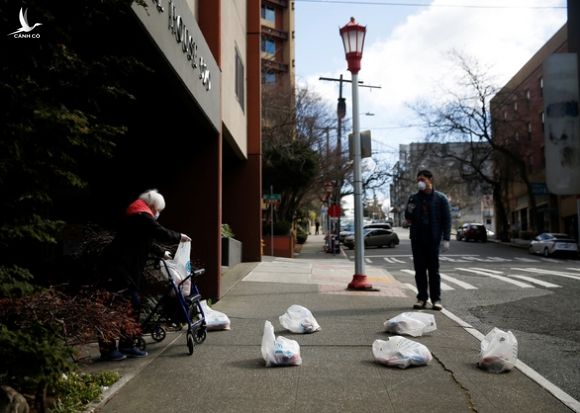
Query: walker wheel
(190, 343)
(200, 335)
(158, 334)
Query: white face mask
(421, 185)
(157, 215)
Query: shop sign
(174, 29)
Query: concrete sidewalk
(227, 374)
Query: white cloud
(413, 61)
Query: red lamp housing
(353, 40)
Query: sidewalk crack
(465, 390)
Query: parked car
(382, 225)
(375, 238)
(345, 231)
(549, 243)
(472, 231)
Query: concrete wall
(234, 27)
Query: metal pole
(271, 221)
(359, 266)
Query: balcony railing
(270, 31)
(274, 65)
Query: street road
(496, 285)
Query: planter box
(231, 252)
(283, 246)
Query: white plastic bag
(401, 352)
(180, 267)
(499, 351)
(299, 319)
(279, 351)
(412, 323)
(214, 320)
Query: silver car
(375, 237)
(549, 243)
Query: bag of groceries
(299, 319)
(411, 323)
(279, 351)
(499, 351)
(401, 352)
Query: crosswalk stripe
(573, 269)
(411, 287)
(444, 286)
(368, 261)
(392, 260)
(460, 283)
(443, 258)
(526, 259)
(487, 270)
(549, 272)
(536, 281)
(497, 277)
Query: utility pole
(340, 114)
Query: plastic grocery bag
(279, 351)
(412, 323)
(299, 319)
(499, 351)
(180, 267)
(401, 352)
(214, 320)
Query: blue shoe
(133, 352)
(114, 355)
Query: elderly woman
(125, 258)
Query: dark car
(375, 238)
(471, 231)
(551, 243)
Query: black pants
(426, 260)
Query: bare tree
(465, 116)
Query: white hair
(154, 199)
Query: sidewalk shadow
(249, 364)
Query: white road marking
(368, 261)
(526, 259)
(549, 272)
(392, 260)
(560, 394)
(444, 287)
(460, 283)
(550, 260)
(411, 287)
(536, 281)
(573, 269)
(497, 277)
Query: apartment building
(197, 133)
(277, 46)
(518, 123)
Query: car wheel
(546, 252)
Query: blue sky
(407, 51)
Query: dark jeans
(426, 260)
(126, 340)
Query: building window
(505, 116)
(240, 79)
(542, 120)
(528, 94)
(269, 13)
(515, 106)
(269, 78)
(529, 131)
(268, 45)
(541, 84)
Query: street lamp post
(353, 37)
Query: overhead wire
(397, 4)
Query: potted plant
(231, 247)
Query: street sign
(365, 144)
(334, 211)
(272, 197)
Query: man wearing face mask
(125, 258)
(430, 218)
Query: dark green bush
(280, 228)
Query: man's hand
(167, 255)
(445, 246)
(185, 238)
